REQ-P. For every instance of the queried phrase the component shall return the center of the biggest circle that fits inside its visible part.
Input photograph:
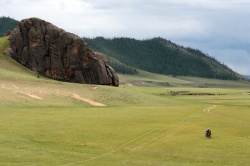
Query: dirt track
(208, 110)
(34, 93)
(76, 96)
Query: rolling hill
(157, 55)
(11, 71)
(162, 56)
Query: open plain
(148, 120)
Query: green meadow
(149, 120)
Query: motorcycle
(208, 134)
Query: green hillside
(161, 56)
(7, 23)
(10, 70)
(155, 55)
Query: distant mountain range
(155, 55)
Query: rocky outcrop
(7, 33)
(49, 50)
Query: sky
(219, 28)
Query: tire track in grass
(124, 144)
(208, 110)
(156, 134)
(114, 150)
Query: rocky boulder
(49, 50)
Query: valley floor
(149, 120)
(42, 125)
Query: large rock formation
(49, 50)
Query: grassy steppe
(41, 123)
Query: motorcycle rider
(208, 133)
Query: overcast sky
(220, 28)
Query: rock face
(49, 50)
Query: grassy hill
(150, 119)
(161, 56)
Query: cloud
(237, 59)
